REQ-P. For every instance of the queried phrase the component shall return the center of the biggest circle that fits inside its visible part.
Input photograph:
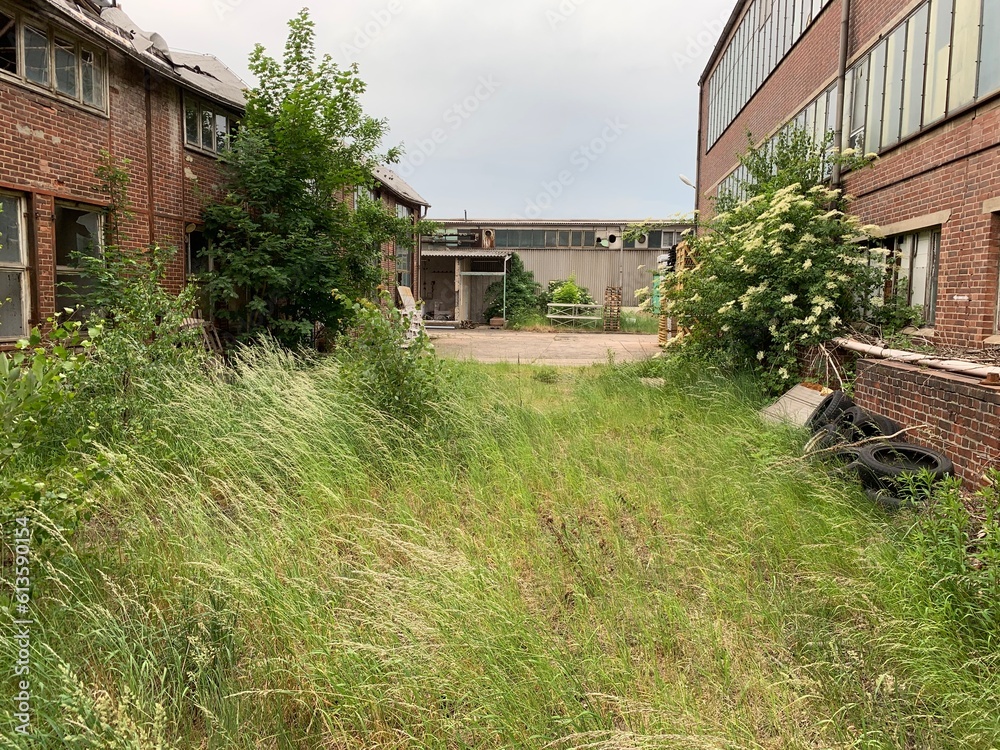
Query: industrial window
(78, 234)
(551, 239)
(564, 238)
(206, 126)
(940, 59)
(199, 253)
(403, 212)
(915, 279)
(14, 286)
(57, 62)
(404, 258)
(765, 35)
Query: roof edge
(730, 24)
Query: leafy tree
(284, 238)
(782, 271)
(522, 293)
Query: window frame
(931, 282)
(22, 21)
(23, 267)
(75, 271)
(204, 106)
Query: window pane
(66, 67)
(525, 238)
(859, 108)
(78, 232)
(656, 239)
(10, 230)
(192, 119)
(938, 46)
(197, 253)
(563, 239)
(92, 74)
(577, 239)
(537, 238)
(989, 66)
(208, 130)
(589, 239)
(913, 79)
(221, 132)
(873, 127)
(551, 238)
(11, 303)
(819, 132)
(36, 56)
(965, 54)
(895, 57)
(8, 44)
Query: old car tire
(828, 410)
(888, 501)
(883, 464)
(856, 424)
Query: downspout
(838, 136)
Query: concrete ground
(568, 349)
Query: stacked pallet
(612, 309)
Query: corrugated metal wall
(594, 269)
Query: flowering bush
(778, 273)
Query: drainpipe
(845, 38)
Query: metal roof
(398, 185)
(467, 252)
(204, 74)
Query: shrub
(396, 375)
(44, 466)
(782, 271)
(568, 292)
(522, 294)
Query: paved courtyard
(568, 349)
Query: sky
(535, 109)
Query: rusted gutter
(955, 366)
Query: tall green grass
(567, 559)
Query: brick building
(78, 77)
(918, 83)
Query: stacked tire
(870, 446)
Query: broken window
(78, 235)
(66, 67)
(92, 76)
(36, 56)
(8, 44)
(14, 288)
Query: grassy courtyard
(561, 558)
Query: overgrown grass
(568, 559)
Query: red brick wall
(957, 416)
(49, 150)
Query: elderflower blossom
(789, 298)
(807, 265)
(725, 329)
(760, 356)
(783, 373)
(727, 307)
(787, 227)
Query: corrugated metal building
(467, 256)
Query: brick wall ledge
(954, 366)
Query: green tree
(285, 238)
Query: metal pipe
(845, 39)
(956, 366)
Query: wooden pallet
(612, 309)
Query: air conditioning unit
(642, 243)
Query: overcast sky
(555, 109)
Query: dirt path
(567, 349)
